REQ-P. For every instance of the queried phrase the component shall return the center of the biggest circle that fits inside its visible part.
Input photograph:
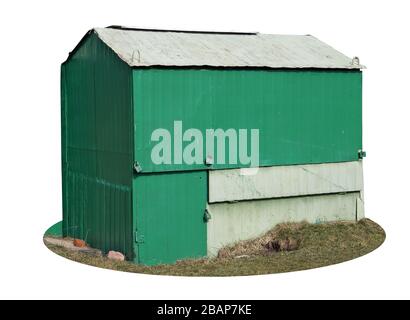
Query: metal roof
(144, 48)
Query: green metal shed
(121, 84)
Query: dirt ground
(286, 248)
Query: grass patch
(318, 245)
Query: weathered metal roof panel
(142, 48)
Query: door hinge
(207, 216)
(139, 238)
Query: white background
(36, 37)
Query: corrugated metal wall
(304, 116)
(97, 148)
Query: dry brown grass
(318, 245)
(261, 245)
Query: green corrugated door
(169, 210)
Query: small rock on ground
(79, 243)
(61, 242)
(69, 244)
(114, 255)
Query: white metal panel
(359, 209)
(233, 222)
(158, 48)
(285, 181)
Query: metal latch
(139, 238)
(209, 160)
(361, 154)
(137, 167)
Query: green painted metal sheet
(56, 230)
(169, 215)
(304, 116)
(97, 150)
